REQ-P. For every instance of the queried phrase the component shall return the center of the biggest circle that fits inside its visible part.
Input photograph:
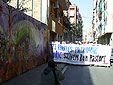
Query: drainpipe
(48, 31)
(46, 21)
(40, 10)
(32, 8)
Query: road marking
(65, 68)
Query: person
(51, 75)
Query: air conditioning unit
(56, 4)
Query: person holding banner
(51, 75)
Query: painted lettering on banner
(79, 54)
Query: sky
(85, 9)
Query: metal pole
(40, 10)
(32, 8)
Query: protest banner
(82, 54)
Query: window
(106, 5)
(71, 8)
(100, 28)
(72, 13)
(106, 21)
(53, 26)
(59, 19)
(55, 12)
(72, 20)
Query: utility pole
(17, 4)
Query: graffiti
(21, 42)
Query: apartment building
(91, 32)
(74, 15)
(92, 25)
(49, 12)
(86, 37)
(75, 18)
(32, 8)
(103, 21)
(55, 25)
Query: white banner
(82, 54)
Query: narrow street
(73, 33)
(88, 75)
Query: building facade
(103, 21)
(91, 32)
(49, 12)
(32, 8)
(86, 37)
(72, 13)
(75, 19)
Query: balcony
(64, 4)
(100, 14)
(100, 11)
(100, 29)
(54, 24)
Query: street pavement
(74, 75)
(88, 75)
(31, 77)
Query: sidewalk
(31, 77)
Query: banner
(86, 54)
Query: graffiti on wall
(21, 42)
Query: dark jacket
(47, 77)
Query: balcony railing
(100, 13)
(58, 26)
(100, 7)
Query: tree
(67, 23)
(6, 1)
(21, 4)
(76, 32)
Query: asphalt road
(88, 75)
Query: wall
(45, 11)
(109, 27)
(37, 10)
(75, 11)
(34, 7)
(21, 42)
